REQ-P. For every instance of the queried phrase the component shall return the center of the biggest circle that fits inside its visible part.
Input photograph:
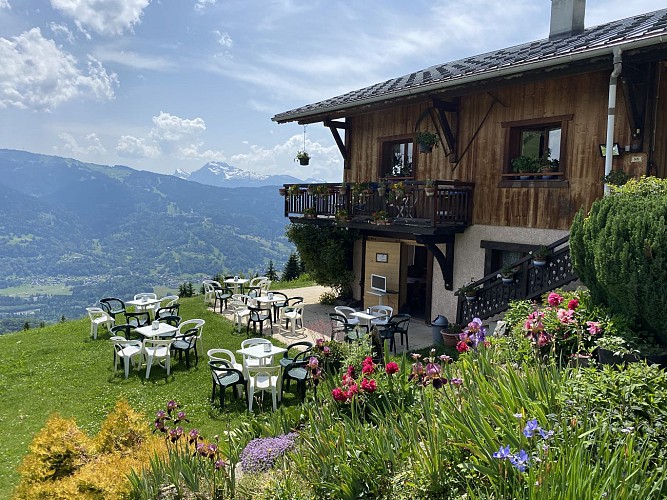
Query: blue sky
(164, 84)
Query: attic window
(536, 138)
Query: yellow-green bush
(63, 462)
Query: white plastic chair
(209, 290)
(167, 301)
(126, 350)
(262, 379)
(383, 314)
(346, 311)
(295, 317)
(241, 312)
(188, 324)
(148, 308)
(99, 317)
(156, 350)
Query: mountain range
(224, 175)
(114, 231)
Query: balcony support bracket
(445, 260)
(333, 127)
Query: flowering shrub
(261, 454)
(566, 324)
(329, 353)
(521, 460)
(361, 385)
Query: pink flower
(543, 339)
(432, 369)
(339, 395)
(462, 346)
(573, 304)
(326, 350)
(368, 385)
(354, 388)
(350, 371)
(565, 316)
(319, 342)
(367, 369)
(391, 368)
(554, 299)
(171, 405)
(313, 363)
(594, 327)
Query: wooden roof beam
(333, 127)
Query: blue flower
(531, 428)
(520, 460)
(503, 452)
(546, 434)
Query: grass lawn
(61, 369)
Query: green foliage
(186, 290)
(619, 251)
(327, 253)
(328, 298)
(271, 272)
(616, 177)
(292, 268)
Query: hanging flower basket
(282, 191)
(304, 161)
(303, 157)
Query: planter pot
(607, 357)
(546, 175)
(304, 161)
(539, 262)
(382, 222)
(425, 148)
(507, 280)
(449, 339)
(471, 298)
(525, 177)
(309, 216)
(655, 359)
(282, 191)
(579, 360)
(382, 191)
(342, 190)
(430, 191)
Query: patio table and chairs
(237, 283)
(144, 302)
(261, 369)
(163, 330)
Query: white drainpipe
(611, 114)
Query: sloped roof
(633, 32)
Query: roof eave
(486, 75)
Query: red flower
(368, 385)
(554, 299)
(573, 304)
(391, 368)
(461, 346)
(368, 368)
(339, 395)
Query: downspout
(611, 114)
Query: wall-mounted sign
(381, 257)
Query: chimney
(567, 18)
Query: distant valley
(111, 230)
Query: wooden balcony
(448, 208)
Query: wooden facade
(482, 146)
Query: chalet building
(526, 134)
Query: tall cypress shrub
(619, 251)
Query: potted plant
(426, 141)
(282, 191)
(359, 188)
(398, 190)
(429, 188)
(342, 215)
(318, 189)
(303, 157)
(526, 165)
(342, 189)
(382, 187)
(616, 177)
(507, 274)
(451, 335)
(380, 217)
(540, 256)
(310, 213)
(293, 190)
(469, 290)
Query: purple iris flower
(546, 434)
(503, 452)
(520, 460)
(531, 428)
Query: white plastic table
(236, 282)
(164, 329)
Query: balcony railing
(529, 282)
(450, 203)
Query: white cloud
(326, 161)
(168, 127)
(192, 152)
(135, 147)
(132, 59)
(36, 74)
(90, 144)
(223, 38)
(106, 17)
(4, 4)
(202, 4)
(63, 31)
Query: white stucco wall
(469, 259)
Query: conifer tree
(271, 272)
(292, 268)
